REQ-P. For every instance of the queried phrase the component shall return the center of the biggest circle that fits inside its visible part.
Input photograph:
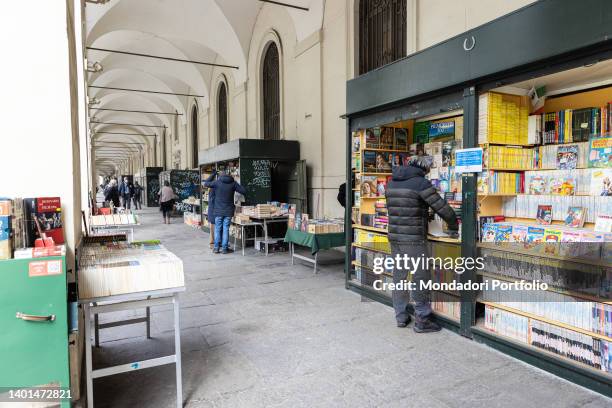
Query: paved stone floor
(259, 332)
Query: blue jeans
(222, 222)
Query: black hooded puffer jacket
(409, 194)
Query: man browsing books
(224, 208)
(409, 197)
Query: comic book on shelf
(600, 152)
(567, 157)
(601, 182)
(544, 215)
(575, 217)
(603, 223)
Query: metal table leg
(291, 249)
(266, 235)
(148, 320)
(88, 358)
(177, 353)
(242, 237)
(96, 329)
(315, 262)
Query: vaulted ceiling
(213, 31)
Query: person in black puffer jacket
(409, 197)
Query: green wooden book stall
(34, 321)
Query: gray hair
(422, 162)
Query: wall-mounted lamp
(95, 67)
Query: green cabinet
(33, 317)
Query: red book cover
(47, 213)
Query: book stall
(534, 199)
(375, 151)
(545, 206)
(185, 184)
(272, 174)
(315, 234)
(115, 276)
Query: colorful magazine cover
(535, 234)
(567, 157)
(381, 187)
(601, 182)
(603, 223)
(356, 141)
(401, 139)
(570, 243)
(368, 186)
(383, 162)
(538, 185)
(503, 233)
(575, 217)
(488, 232)
(386, 138)
(544, 215)
(562, 185)
(600, 152)
(519, 233)
(590, 244)
(372, 138)
(369, 161)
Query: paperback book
(567, 157)
(575, 217)
(544, 215)
(600, 152)
(601, 182)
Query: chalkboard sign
(152, 185)
(256, 177)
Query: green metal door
(298, 186)
(33, 351)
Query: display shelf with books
(374, 153)
(544, 126)
(553, 230)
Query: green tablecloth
(316, 242)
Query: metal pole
(278, 3)
(136, 54)
(144, 91)
(127, 124)
(137, 111)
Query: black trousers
(421, 298)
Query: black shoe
(224, 251)
(402, 324)
(426, 326)
(215, 250)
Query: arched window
(382, 33)
(271, 94)
(222, 113)
(194, 136)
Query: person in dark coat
(211, 206)
(111, 193)
(126, 193)
(409, 197)
(137, 195)
(342, 195)
(224, 208)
